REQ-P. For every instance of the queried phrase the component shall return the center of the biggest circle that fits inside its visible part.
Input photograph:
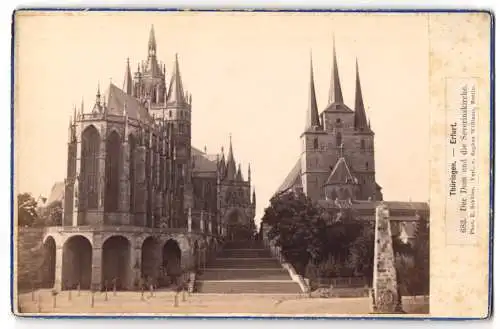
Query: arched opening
(367, 166)
(149, 259)
(113, 158)
(116, 262)
(88, 194)
(362, 144)
(77, 263)
(131, 173)
(237, 228)
(315, 143)
(338, 139)
(171, 262)
(49, 263)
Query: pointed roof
(292, 179)
(239, 176)
(360, 121)
(118, 100)
(98, 106)
(312, 119)
(335, 93)
(152, 39)
(340, 174)
(127, 81)
(176, 90)
(231, 164)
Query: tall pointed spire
(127, 82)
(312, 119)
(335, 93)
(231, 165)
(152, 41)
(176, 90)
(359, 107)
(249, 178)
(239, 176)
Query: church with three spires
(131, 162)
(336, 166)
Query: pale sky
(248, 74)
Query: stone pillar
(202, 221)
(124, 200)
(101, 182)
(75, 180)
(135, 265)
(386, 297)
(190, 220)
(140, 195)
(96, 280)
(210, 223)
(59, 268)
(74, 201)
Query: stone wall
(30, 256)
(386, 298)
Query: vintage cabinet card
(293, 164)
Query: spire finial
(312, 119)
(360, 121)
(342, 150)
(152, 41)
(335, 93)
(98, 94)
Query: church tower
(313, 137)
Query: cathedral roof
(340, 174)
(56, 193)
(117, 99)
(293, 178)
(203, 162)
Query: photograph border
(271, 317)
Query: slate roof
(203, 162)
(293, 178)
(56, 193)
(340, 174)
(117, 99)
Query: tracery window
(90, 168)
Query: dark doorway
(150, 259)
(116, 262)
(171, 262)
(77, 263)
(49, 263)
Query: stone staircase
(245, 267)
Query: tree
(51, 215)
(26, 206)
(296, 227)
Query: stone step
(241, 287)
(245, 253)
(250, 263)
(244, 274)
(243, 245)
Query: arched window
(315, 143)
(366, 165)
(363, 144)
(338, 121)
(113, 157)
(338, 139)
(90, 168)
(170, 113)
(131, 173)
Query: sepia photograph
(259, 164)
